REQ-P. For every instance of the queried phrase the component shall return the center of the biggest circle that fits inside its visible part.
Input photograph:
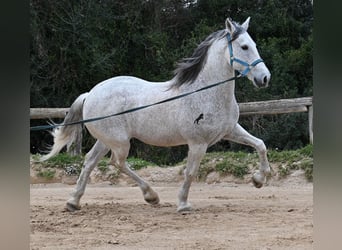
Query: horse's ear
(229, 25)
(246, 23)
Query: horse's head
(243, 55)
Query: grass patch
(103, 165)
(71, 164)
(294, 160)
(307, 150)
(47, 174)
(235, 163)
(137, 164)
(307, 166)
(64, 159)
(134, 163)
(238, 170)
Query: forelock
(238, 30)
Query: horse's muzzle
(263, 81)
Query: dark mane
(188, 69)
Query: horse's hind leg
(240, 135)
(118, 158)
(98, 151)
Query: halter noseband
(233, 59)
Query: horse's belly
(162, 140)
(160, 131)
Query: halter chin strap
(233, 59)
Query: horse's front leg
(196, 152)
(240, 135)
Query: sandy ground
(224, 216)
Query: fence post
(311, 123)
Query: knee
(191, 173)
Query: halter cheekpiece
(233, 59)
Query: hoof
(152, 200)
(72, 207)
(258, 180)
(184, 208)
(151, 197)
(257, 184)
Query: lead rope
(45, 127)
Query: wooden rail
(282, 106)
(45, 113)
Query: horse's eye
(244, 47)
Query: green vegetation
(136, 163)
(72, 165)
(63, 160)
(103, 165)
(293, 160)
(237, 164)
(47, 174)
(240, 163)
(238, 170)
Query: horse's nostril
(261, 82)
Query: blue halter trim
(233, 59)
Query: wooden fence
(282, 106)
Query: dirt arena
(225, 216)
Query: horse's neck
(216, 69)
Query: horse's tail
(64, 135)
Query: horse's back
(122, 91)
(128, 84)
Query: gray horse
(199, 120)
